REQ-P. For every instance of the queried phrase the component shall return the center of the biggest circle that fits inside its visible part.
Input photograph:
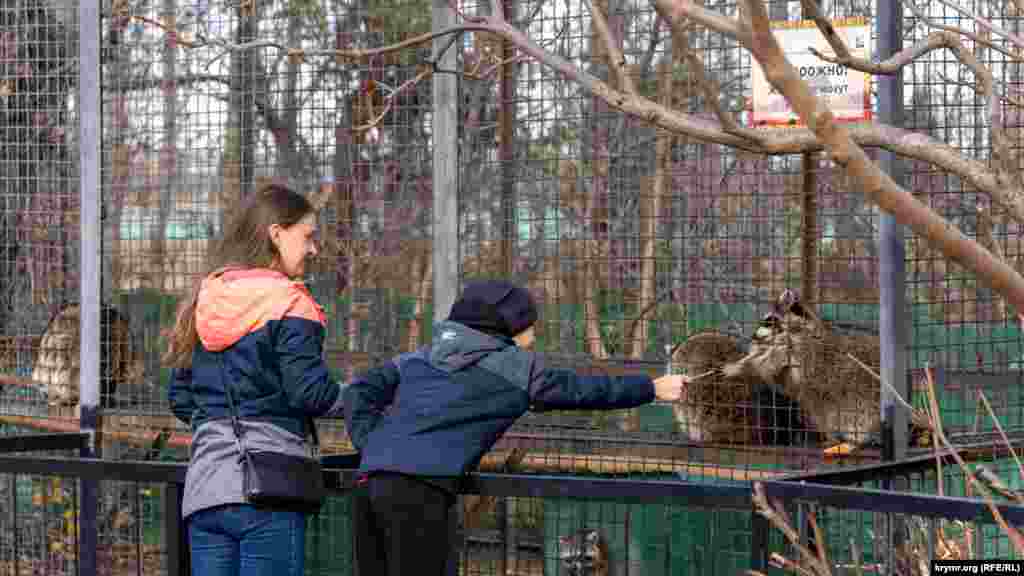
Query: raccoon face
(583, 554)
(775, 347)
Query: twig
(777, 518)
(896, 394)
(890, 138)
(936, 420)
(834, 40)
(1002, 433)
(1013, 533)
(997, 484)
(454, 5)
(974, 37)
(986, 24)
(977, 90)
(702, 375)
(389, 101)
(819, 538)
(711, 91)
(779, 561)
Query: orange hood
(237, 303)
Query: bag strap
(236, 425)
(235, 417)
(236, 422)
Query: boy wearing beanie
(424, 419)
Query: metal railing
(823, 490)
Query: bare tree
(719, 125)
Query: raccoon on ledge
(736, 409)
(796, 379)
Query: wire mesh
(41, 525)
(576, 537)
(647, 251)
(38, 184)
(651, 252)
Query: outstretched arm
(556, 389)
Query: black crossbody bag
(275, 480)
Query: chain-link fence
(646, 250)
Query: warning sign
(846, 92)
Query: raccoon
(732, 410)
(793, 350)
(56, 369)
(584, 553)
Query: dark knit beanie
(495, 307)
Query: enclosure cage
(647, 251)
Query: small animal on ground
(583, 553)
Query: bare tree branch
(616, 61)
(985, 24)
(843, 143)
(1009, 192)
(876, 184)
(708, 86)
(978, 39)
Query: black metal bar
(737, 497)
(175, 534)
(948, 507)
(885, 470)
(88, 536)
(43, 442)
(13, 487)
(759, 529)
(95, 468)
(632, 491)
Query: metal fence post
(445, 220)
(759, 529)
(175, 535)
(892, 266)
(445, 230)
(90, 248)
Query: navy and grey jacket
(261, 338)
(435, 412)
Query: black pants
(403, 527)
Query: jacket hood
(237, 303)
(456, 346)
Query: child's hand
(670, 388)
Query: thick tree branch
(677, 11)
(905, 143)
(843, 143)
(616, 61)
(708, 86)
(834, 40)
(978, 39)
(985, 24)
(876, 185)
(1009, 190)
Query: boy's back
(452, 400)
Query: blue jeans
(240, 540)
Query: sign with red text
(845, 91)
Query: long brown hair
(246, 244)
